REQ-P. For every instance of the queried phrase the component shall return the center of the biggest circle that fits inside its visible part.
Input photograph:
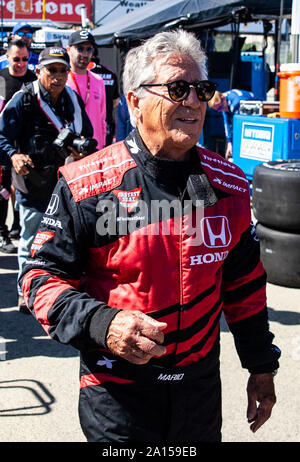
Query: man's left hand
(260, 389)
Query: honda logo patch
(53, 205)
(215, 231)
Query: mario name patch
(39, 240)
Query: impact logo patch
(39, 240)
(128, 199)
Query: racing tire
(276, 194)
(280, 255)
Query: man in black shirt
(13, 77)
(11, 80)
(112, 95)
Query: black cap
(81, 36)
(54, 55)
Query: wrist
(268, 368)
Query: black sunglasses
(26, 34)
(179, 90)
(16, 59)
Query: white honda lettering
(208, 258)
(51, 222)
(196, 260)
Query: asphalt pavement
(39, 378)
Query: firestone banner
(55, 10)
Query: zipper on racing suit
(181, 217)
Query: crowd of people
(138, 291)
(75, 68)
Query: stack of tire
(276, 207)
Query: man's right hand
(18, 162)
(136, 337)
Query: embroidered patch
(39, 240)
(128, 199)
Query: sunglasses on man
(179, 90)
(17, 59)
(24, 34)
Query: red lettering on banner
(59, 11)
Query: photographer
(31, 122)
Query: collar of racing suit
(167, 172)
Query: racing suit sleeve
(53, 275)
(245, 307)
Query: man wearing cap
(87, 84)
(112, 95)
(29, 124)
(22, 31)
(11, 80)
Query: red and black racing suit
(101, 249)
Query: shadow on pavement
(38, 398)
(287, 318)
(21, 335)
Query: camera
(67, 138)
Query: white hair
(139, 68)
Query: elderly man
(29, 124)
(11, 80)
(155, 242)
(22, 31)
(87, 84)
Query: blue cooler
(258, 139)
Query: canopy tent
(167, 14)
